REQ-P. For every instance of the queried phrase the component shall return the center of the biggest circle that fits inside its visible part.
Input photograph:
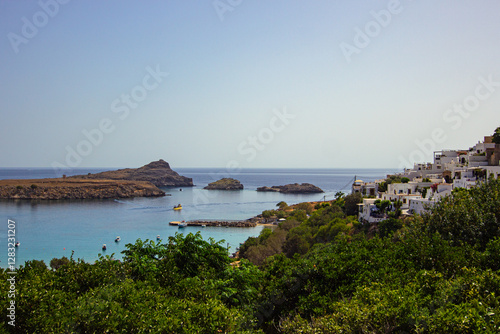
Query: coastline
(64, 188)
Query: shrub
(268, 213)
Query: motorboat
(104, 247)
(182, 224)
(18, 244)
(118, 239)
(178, 207)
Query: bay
(48, 229)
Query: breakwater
(252, 222)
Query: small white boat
(118, 239)
(104, 247)
(182, 224)
(18, 244)
(203, 225)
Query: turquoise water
(48, 229)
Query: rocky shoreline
(64, 188)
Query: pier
(218, 223)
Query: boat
(182, 224)
(178, 207)
(104, 247)
(118, 239)
(18, 244)
(158, 237)
(203, 225)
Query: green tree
(57, 263)
(351, 204)
(468, 215)
(496, 136)
(282, 205)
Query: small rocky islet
(225, 184)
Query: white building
(451, 169)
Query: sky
(245, 84)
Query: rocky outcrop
(158, 173)
(51, 189)
(304, 188)
(225, 184)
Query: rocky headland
(158, 173)
(66, 188)
(225, 184)
(304, 188)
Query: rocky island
(304, 188)
(225, 184)
(158, 173)
(66, 188)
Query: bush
(268, 213)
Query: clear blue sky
(232, 69)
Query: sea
(55, 228)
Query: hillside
(50, 189)
(158, 173)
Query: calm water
(48, 229)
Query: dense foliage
(319, 271)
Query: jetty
(218, 223)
